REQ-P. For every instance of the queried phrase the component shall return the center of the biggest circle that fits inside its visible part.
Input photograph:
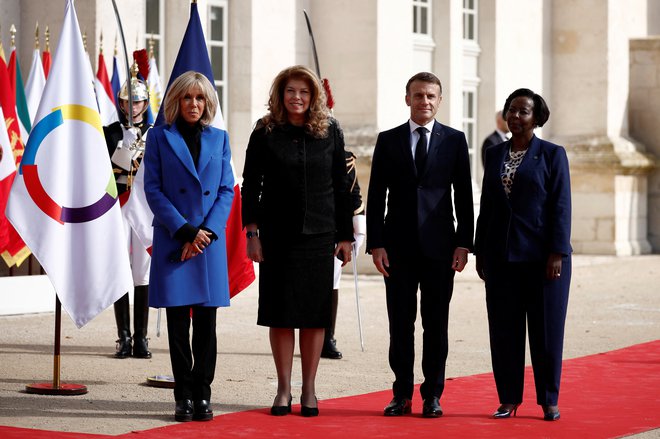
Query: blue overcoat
(180, 193)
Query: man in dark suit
(496, 137)
(418, 243)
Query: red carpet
(607, 395)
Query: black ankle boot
(122, 317)
(140, 322)
(329, 343)
(330, 348)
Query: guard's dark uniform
(140, 260)
(359, 225)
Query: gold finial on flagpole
(101, 42)
(12, 32)
(194, 1)
(115, 45)
(47, 37)
(36, 36)
(134, 70)
(151, 46)
(85, 40)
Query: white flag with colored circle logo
(64, 200)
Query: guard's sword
(326, 86)
(128, 70)
(311, 36)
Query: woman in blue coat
(189, 187)
(523, 252)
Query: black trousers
(193, 370)
(435, 279)
(519, 295)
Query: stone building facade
(595, 62)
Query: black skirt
(295, 281)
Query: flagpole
(56, 387)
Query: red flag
(46, 61)
(104, 95)
(12, 248)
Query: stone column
(644, 118)
(590, 88)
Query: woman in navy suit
(523, 252)
(189, 185)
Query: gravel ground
(614, 303)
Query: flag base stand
(50, 389)
(162, 381)
(56, 387)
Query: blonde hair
(182, 85)
(317, 117)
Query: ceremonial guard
(359, 230)
(125, 143)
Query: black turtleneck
(192, 135)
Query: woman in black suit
(523, 253)
(297, 214)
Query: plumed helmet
(139, 90)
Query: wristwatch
(250, 235)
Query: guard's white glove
(359, 231)
(124, 154)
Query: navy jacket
(536, 219)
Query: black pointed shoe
(202, 410)
(398, 406)
(281, 410)
(551, 413)
(505, 411)
(431, 408)
(183, 410)
(309, 412)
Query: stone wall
(644, 118)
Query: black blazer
(294, 183)
(420, 207)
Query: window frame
(221, 83)
(158, 38)
(419, 19)
(471, 13)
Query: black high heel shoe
(309, 412)
(551, 413)
(506, 410)
(281, 410)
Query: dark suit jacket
(294, 183)
(493, 139)
(536, 219)
(420, 207)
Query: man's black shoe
(431, 408)
(202, 410)
(398, 407)
(183, 411)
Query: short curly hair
(541, 110)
